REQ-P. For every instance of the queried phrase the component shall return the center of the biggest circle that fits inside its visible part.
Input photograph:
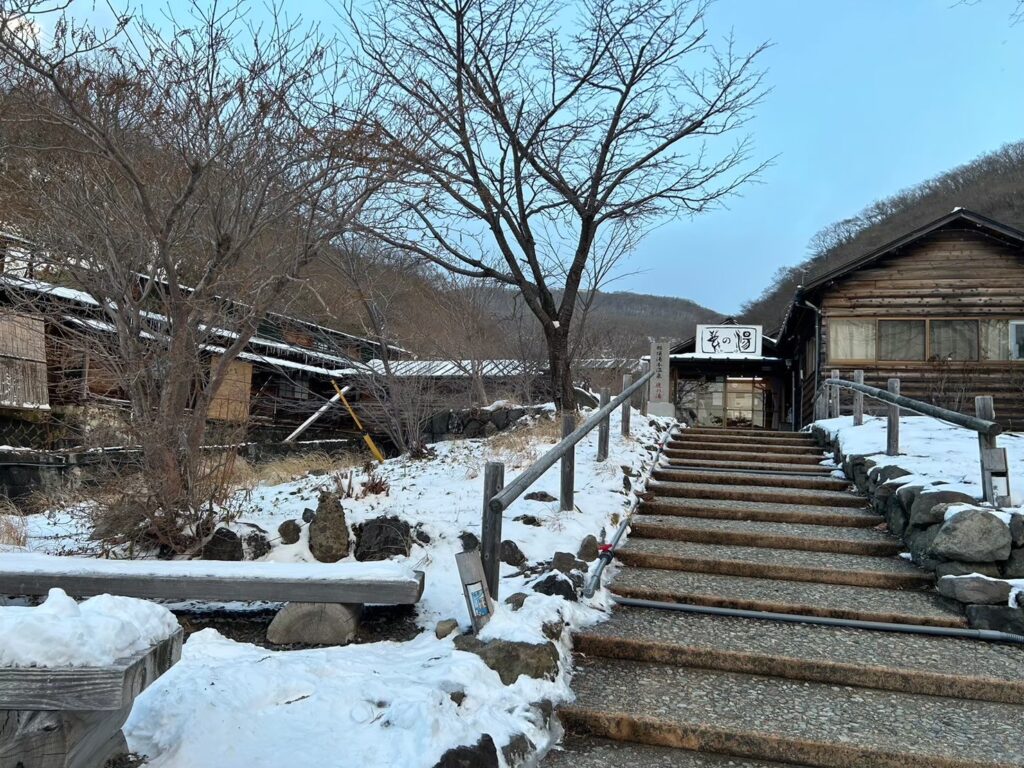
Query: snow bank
(96, 632)
(933, 451)
(235, 705)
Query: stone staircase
(751, 520)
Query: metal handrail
(503, 500)
(982, 426)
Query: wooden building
(57, 354)
(730, 389)
(941, 308)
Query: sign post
(660, 387)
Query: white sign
(659, 388)
(730, 340)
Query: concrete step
(748, 493)
(937, 666)
(584, 752)
(785, 564)
(839, 601)
(740, 455)
(815, 538)
(766, 434)
(694, 444)
(765, 511)
(760, 479)
(771, 718)
(775, 438)
(809, 469)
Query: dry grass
(519, 444)
(13, 528)
(291, 467)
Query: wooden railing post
(490, 532)
(858, 400)
(985, 408)
(627, 407)
(568, 464)
(833, 399)
(892, 431)
(604, 427)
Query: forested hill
(643, 316)
(992, 185)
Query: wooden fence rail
(498, 497)
(994, 465)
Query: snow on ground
(229, 704)
(935, 453)
(95, 632)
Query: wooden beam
(216, 588)
(106, 688)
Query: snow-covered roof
(699, 356)
(439, 368)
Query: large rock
(906, 494)
(483, 754)
(511, 659)
(510, 553)
(1014, 567)
(588, 550)
(1001, 618)
(289, 531)
(565, 562)
(974, 589)
(558, 585)
(1017, 530)
(930, 507)
(955, 568)
(972, 536)
(328, 533)
(882, 475)
(314, 624)
(225, 544)
(383, 537)
(919, 542)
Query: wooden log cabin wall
(942, 309)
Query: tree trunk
(560, 369)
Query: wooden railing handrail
(981, 426)
(532, 473)
(995, 480)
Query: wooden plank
(603, 427)
(892, 430)
(568, 466)
(87, 688)
(194, 587)
(61, 739)
(490, 530)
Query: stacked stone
(969, 549)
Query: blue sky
(869, 97)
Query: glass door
(744, 402)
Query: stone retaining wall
(971, 550)
(466, 423)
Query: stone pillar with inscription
(660, 386)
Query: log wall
(953, 273)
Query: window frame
(928, 357)
(1011, 323)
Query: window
(995, 341)
(851, 338)
(901, 339)
(1017, 339)
(953, 339)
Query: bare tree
(183, 176)
(532, 148)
